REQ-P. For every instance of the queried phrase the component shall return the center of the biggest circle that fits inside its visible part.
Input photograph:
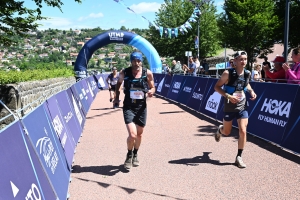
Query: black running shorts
(113, 88)
(135, 114)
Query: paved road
(179, 159)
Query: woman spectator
(292, 74)
(256, 75)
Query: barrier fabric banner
(77, 92)
(291, 138)
(93, 85)
(176, 87)
(188, 88)
(198, 93)
(21, 174)
(87, 92)
(49, 149)
(69, 116)
(62, 132)
(212, 100)
(166, 85)
(159, 82)
(272, 110)
(102, 81)
(76, 107)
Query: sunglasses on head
(240, 53)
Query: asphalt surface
(179, 159)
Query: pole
(286, 29)
(198, 54)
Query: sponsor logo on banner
(58, 127)
(197, 95)
(46, 149)
(187, 89)
(84, 93)
(33, 193)
(68, 117)
(101, 82)
(276, 108)
(116, 36)
(176, 87)
(77, 112)
(167, 85)
(213, 102)
(160, 85)
(90, 89)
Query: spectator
(205, 66)
(191, 69)
(256, 75)
(292, 74)
(231, 64)
(278, 72)
(166, 69)
(268, 66)
(196, 61)
(176, 68)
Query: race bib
(136, 94)
(239, 95)
(114, 82)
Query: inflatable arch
(116, 36)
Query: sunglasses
(240, 53)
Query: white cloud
(122, 21)
(219, 3)
(54, 22)
(144, 7)
(92, 15)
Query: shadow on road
(107, 113)
(198, 160)
(106, 170)
(128, 190)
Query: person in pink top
(292, 74)
(278, 72)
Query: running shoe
(128, 161)
(110, 100)
(218, 134)
(239, 162)
(135, 161)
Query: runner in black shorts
(112, 80)
(138, 84)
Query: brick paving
(179, 159)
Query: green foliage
(16, 19)
(173, 14)
(294, 17)
(31, 75)
(249, 25)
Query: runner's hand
(234, 99)
(150, 93)
(253, 95)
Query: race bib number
(114, 82)
(239, 95)
(136, 94)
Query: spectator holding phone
(293, 73)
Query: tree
(294, 29)
(249, 25)
(16, 19)
(175, 13)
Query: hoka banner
(291, 137)
(187, 90)
(92, 86)
(166, 85)
(198, 93)
(21, 174)
(176, 87)
(80, 95)
(70, 118)
(49, 149)
(272, 110)
(63, 133)
(77, 107)
(87, 92)
(159, 80)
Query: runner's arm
(223, 80)
(118, 85)
(150, 81)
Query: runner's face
(136, 63)
(241, 61)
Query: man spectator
(176, 68)
(197, 63)
(268, 66)
(166, 69)
(278, 72)
(231, 64)
(205, 66)
(191, 69)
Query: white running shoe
(239, 162)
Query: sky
(105, 14)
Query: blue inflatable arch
(116, 36)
